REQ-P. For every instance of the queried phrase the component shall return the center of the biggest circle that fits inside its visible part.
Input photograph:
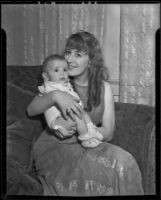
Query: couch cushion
(21, 130)
(26, 77)
(20, 181)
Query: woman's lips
(72, 67)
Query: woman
(64, 166)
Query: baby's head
(55, 69)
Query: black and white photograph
(80, 98)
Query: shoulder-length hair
(86, 42)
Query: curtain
(139, 23)
(126, 33)
(31, 31)
(74, 17)
(103, 20)
(35, 31)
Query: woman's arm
(62, 100)
(108, 120)
(40, 104)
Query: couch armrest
(134, 132)
(150, 176)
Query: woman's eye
(65, 70)
(78, 54)
(56, 70)
(67, 53)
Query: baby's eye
(65, 70)
(56, 70)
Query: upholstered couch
(135, 132)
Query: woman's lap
(70, 169)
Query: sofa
(134, 131)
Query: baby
(55, 75)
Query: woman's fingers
(79, 108)
(73, 130)
(68, 105)
(76, 99)
(68, 113)
(64, 114)
(72, 115)
(77, 111)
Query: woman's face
(78, 62)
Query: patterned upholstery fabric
(151, 171)
(134, 131)
(22, 131)
(26, 77)
(21, 181)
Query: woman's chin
(73, 73)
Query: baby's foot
(93, 142)
(92, 130)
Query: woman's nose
(69, 58)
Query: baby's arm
(86, 117)
(81, 126)
(51, 115)
(56, 122)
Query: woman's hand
(69, 125)
(68, 105)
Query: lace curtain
(103, 20)
(139, 23)
(74, 17)
(31, 32)
(35, 31)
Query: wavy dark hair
(86, 42)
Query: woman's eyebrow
(76, 51)
(80, 51)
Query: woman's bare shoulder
(107, 87)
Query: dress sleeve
(41, 89)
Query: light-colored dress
(66, 168)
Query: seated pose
(55, 77)
(65, 167)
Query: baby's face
(57, 71)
